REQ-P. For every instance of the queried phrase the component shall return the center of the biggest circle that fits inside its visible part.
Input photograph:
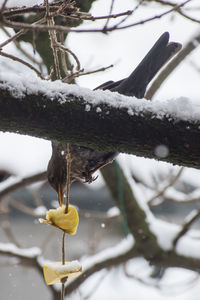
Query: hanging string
(68, 159)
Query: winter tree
(53, 55)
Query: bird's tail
(136, 83)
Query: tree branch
(66, 29)
(22, 182)
(145, 242)
(53, 110)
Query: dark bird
(85, 161)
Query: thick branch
(165, 259)
(137, 221)
(58, 111)
(107, 262)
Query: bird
(85, 161)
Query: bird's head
(57, 176)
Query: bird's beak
(60, 194)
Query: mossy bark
(137, 134)
(133, 214)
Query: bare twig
(24, 208)
(5, 225)
(60, 46)
(53, 39)
(190, 219)
(11, 39)
(171, 182)
(127, 16)
(194, 65)
(39, 27)
(3, 6)
(110, 12)
(111, 16)
(23, 51)
(25, 181)
(19, 33)
(179, 11)
(82, 73)
(65, 12)
(187, 198)
(188, 17)
(15, 58)
(151, 18)
(95, 71)
(69, 75)
(63, 55)
(135, 277)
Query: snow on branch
(126, 249)
(11, 249)
(101, 119)
(13, 183)
(180, 109)
(118, 254)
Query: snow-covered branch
(11, 249)
(118, 254)
(14, 183)
(101, 119)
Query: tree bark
(110, 129)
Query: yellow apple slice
(66, 221)
(54, 272)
